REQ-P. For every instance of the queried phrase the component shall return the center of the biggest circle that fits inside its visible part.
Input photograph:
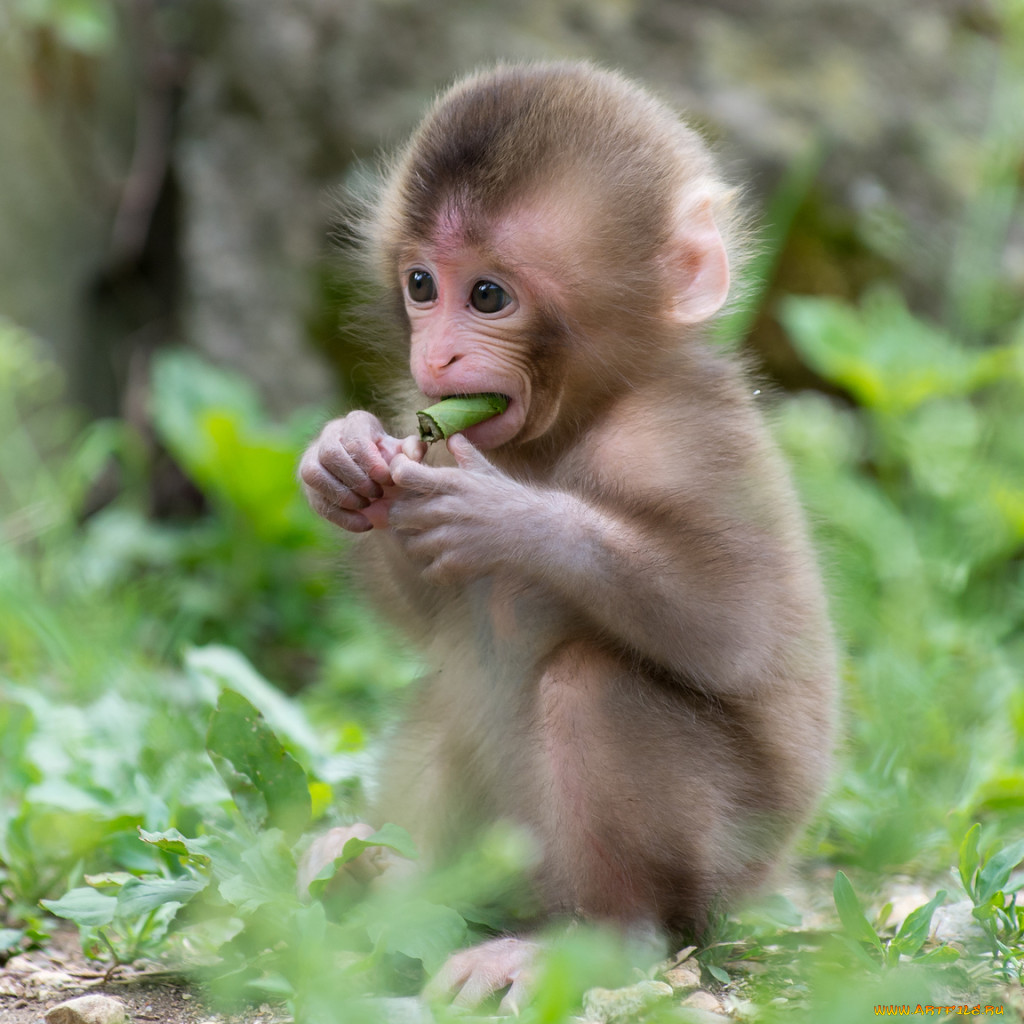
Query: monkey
(612, 580)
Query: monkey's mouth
(479, 394)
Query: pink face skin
(467, 324)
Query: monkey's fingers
(411, 447)
(471, 975)
(467, 455)
(354, 522)
(518, 994)
(356, 463)
(416, 476)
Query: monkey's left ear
(699, 266)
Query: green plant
(864, 940)
(230, 890)
(987, 880)
(920, 508)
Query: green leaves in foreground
(870, 947)
(233, 889)
(987, 880)
(268, 785)
(128, 917)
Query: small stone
(955, 922)
(703, 1000)
(50, 981)
(88, 1010)
(617, 1006)
(684, 976)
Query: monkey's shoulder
(646, 442)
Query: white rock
(703, 1000)
(88, 1010)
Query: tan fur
(630, 648)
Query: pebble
(88, 1010)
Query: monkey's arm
(679, 591)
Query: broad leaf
(424, 931)
(850, 913)
(995, 873)
(394, 837)
(914, 930)
(969, 858)
(86, 907)
(142, 895)
(268, 784)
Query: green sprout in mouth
(458, 412)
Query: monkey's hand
(459, 523)
(471, 975)
(345, 471)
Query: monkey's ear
(699, 266)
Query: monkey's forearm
(683, 602)
(396, 586)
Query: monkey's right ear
(698, 265)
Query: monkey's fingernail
(413, 448)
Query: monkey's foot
(471, 975)
(368, 867)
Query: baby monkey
(611, 578)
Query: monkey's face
(475, 327)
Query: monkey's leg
(639, 795)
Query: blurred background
(172, 331)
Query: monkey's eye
(488, 297)
(421, 287)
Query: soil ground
(33, 983)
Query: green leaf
(941, 955)
(213, 423)
(424, 931)
(84, 906)
(851, 915)
(889, 359)
(200, 850)
(223, 668)
(266, 874)
(995, 873)
(914, 930)
(268, 784)
(248, 798)
(273, 986)
(10, 938)
(718, 973)
(970, 858)
(140, 896)
(88, 26)
(394, 837)
(452, 415)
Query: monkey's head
(553, 231)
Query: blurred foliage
(919, 496)
(83, 26)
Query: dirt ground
(33, 983)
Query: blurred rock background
(167, 165)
